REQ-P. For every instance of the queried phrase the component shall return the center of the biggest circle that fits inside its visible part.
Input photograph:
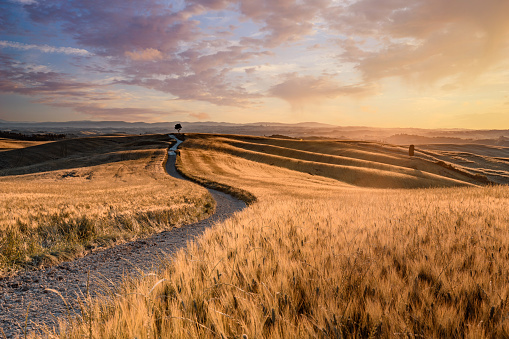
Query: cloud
(94, 108)
(208, 85)
(285, 21)
(26, 79)
(25, 2)
(175, 47)
(145, 55)
(423, 41)
(47, 87)
(162, 47)
(123, 113)
(314, 47)
(194, 76)
(165, 48)
(300, 90)
(233, 55)
(212, 4)
(116, 26)
(45, 48)
(98, 111)
(200, 116)
(7, 20)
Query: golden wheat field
(10, 144)
(394, 248)
(62, 198)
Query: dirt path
(106, 268)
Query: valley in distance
(342, 233)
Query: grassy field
(486, 160)
(10, 144)
(317, 256)
(60, 199)
(362, 164)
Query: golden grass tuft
(315, 257)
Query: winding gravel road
(28, 290)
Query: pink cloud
(193, 76)
(200, 116)
(301, 90)
(97, 110)
(314, 47)
(147, 54)
(20, 78)
(230, 57)
(285, 21)
(208, 85)
(59, 90)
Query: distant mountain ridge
(314, 130)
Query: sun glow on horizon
(426, 64)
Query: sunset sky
(385, 63)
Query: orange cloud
(147, 54)
(200, 116)
(424, 41)
(300, 90)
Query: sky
(381, 63)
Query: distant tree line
(31, 137)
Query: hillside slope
(70, 153)
(59, 199)
(359, 164)
(490, 161)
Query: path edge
(235, 192)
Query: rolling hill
(356, 163)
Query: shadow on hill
(487, 163)
(80, 152)
(359, 163)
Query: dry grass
(318, 258)
(10, 144)
(484, 160)
(356, 163)
(49, 216)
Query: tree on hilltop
(178, 127)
